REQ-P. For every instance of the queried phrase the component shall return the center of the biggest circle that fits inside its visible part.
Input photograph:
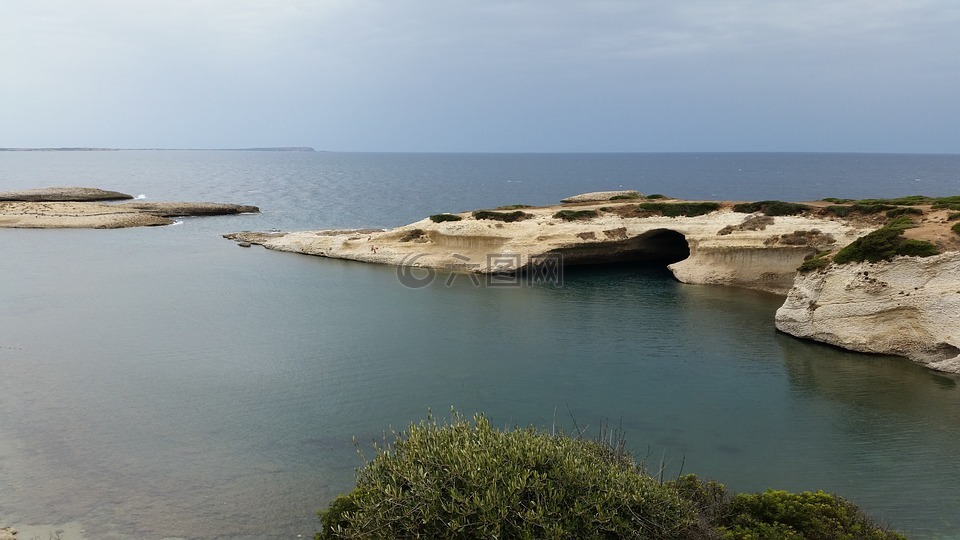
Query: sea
(166, 383)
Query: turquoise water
(166, 383)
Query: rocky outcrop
(60, 208)
(760, 257)
(63, 194)
(8, 533)
(178, 209)
(73, 215)
(909, 306)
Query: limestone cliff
(721, 247)
(909, 306)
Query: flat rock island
(778, 247)
(79, 207)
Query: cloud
(433, 74)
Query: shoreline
(758, 246)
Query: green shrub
(946, 206)
(690, 209)
(508, 217)
(412, 235)
(440, 218)
(840, 211)
(909, 200)
(836, 200)
(867, 209)
(656, 196)
(466, 479)
(815, 262)
(574, 215)
(956, 228)
(772, 208)
(513, 207)
(469, 480)
(884, 244)
(625, 197)
(904, 211)
(952, 216)
(780, 515)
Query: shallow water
(165, 383)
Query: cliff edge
(908, 306)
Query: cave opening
(659, 247)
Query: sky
(483, 75)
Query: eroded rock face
(909, 306)
(744, 256)
(63, 194)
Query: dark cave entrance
(659, 247)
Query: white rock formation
(909, 307)
(725, 247)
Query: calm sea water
(164, 383)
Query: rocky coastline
(92, 208)
(701, 242)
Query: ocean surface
(164, 383)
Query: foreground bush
(468, 480)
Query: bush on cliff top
(466, 479)
(508, 217)
(575, 215)
(440, 218)
(956, 228)
(884, 244)
(771, 208)
(689, 209)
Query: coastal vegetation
(690, 209)
(513, 207)
(440, 218)
(815, 262)
(576, 215)
(507, 217)
(626, 197)
(936, 203)
(466, 479)
(892, 211)
(772, 208)
(884, 244)
(956, 228)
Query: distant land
(93, 149)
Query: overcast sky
(483, 75)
